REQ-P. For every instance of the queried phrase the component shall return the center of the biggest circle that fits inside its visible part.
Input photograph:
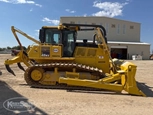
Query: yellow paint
(119, 75)
(36, 75)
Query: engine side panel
(95, 57)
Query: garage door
(119, 52)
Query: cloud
(31, 9)
(85, 15)
(24, 2)
(37, 32)
(55, 22)
(109, 9)
(38, 5)
(70, 11)
(21, 2)
(4, 1)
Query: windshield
(52, 36)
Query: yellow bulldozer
(59, 60)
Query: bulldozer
(59, 60)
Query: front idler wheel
(37, 74)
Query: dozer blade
(129, 80)
(20, 66)
(9, 69)
(126, 76)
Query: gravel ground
(62, 102)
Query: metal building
(123, 36)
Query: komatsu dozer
(59, 60)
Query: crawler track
(35, 84)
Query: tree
(1, 49)
(9, 47)
(4, 49)
(18, 47)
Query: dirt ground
(62, 102)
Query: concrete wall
(117, 30)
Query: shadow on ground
(145, 89)
(6, 93)
(142, 86)
(97, 92)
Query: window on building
(124, 29)
(118, 28)
(113, 26)
(107, 27)
(72, 22)
(131, 27)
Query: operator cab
(54, 36)
(66, 37)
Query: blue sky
(30, 15)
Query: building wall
(134, 49)
(117, 30)
(143, 50)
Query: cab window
(52, 36)
(68, 43)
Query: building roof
(119, 42)
(132, 43)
